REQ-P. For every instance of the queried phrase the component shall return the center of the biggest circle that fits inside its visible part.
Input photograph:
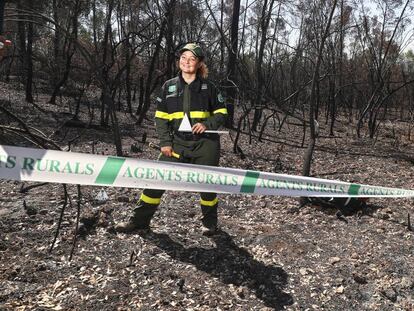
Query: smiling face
(189, 63)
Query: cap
(194, 48)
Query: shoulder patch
(159, 99)
(220, 98)
(204, 86)
(172, 88)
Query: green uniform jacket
(207, 107)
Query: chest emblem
(172, 88)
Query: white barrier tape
(28, 164)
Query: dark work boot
(209, 220)
(140, 220)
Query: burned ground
(270, 254)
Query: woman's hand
(167, 151)
(198, 128)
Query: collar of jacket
(194, 86)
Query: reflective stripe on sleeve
(221, 110)
(162, 115)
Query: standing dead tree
(307, 158)
(169, 9)
(231, 65)
(64, 52)
(264, 25)
(382, 52)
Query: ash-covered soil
(271, 253)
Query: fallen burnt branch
(76, 123)
(38, 138)
(24, 189)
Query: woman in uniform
(190, 94)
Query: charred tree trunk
(231, 68)
(151, 69)
(70, 51)
(104, 72)
(307, 158)
(170, 51)
(128, 88)
(108, 101)
(264, 25)
(141, 95)
(29, 60)
(21, 28)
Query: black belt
(194, 137)
(188, 136)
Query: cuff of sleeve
(209, 125)
(206, 124)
